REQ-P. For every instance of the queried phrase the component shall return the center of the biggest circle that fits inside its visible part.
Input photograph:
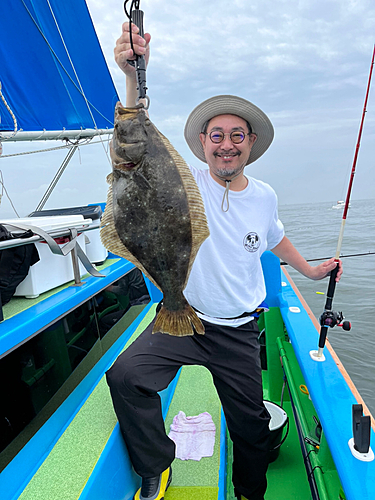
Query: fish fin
(178, 323)
(200, 229)
(110, 238)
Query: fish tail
(178, 323)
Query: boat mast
(329, 318)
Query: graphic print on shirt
(251, 242)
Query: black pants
(149, 365)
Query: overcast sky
(305, 63)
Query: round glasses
(217, 136)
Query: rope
(227, 186)
(56, 179)
(226, 196)
(60, 63)
(77, 77)
(3, 189)
(11, 114)
(53, 149)
(80, 90)
(72, 65)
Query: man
(225, 286)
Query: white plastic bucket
(279, 419)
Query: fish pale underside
(154, 216)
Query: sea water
(314, 231)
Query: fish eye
(124, 166)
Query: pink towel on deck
(194, 436)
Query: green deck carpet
(65, 471)
(195, 394)
(287, 473)
(191, 493)
(19, 304)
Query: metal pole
(56, 179)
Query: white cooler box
(52, 270)
(95, 250)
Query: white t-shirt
(226, 279)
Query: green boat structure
(73, 448)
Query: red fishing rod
(330, 318)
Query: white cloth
(226, 279)
(194, 436)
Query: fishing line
(80, 90)
(60, 63)
(4, 190)
(78, 80)
(68, 145)
(135, 4)
(326, 258)
(329, 318)
(136, 17)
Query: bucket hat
(229, 105)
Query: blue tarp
(48, 51)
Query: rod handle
(328, 305)
(137, 19)
(140, 61)
(323, 336)
(331, 288)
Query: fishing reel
(332, 318)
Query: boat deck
(195, 394)
(67, 469)
(79, 453)
(287, 473)
(73, 467)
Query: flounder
(154, 215)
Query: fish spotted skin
(154, 215)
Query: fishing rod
(329, 318)
(326, 258)
(135, 16)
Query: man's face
(226, 159)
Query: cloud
(304, 62)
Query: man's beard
(229, 172)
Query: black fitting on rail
(361, 429)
